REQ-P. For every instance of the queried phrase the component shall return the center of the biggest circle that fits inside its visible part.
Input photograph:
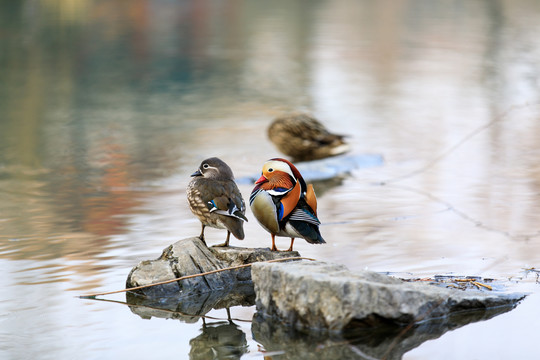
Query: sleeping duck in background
(304, 138)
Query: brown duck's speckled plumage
(216, 200)
(303, 138)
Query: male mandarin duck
(215, 199)
(284, 205)
(303, 138)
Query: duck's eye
(206, 166)
(270, 170)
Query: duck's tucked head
(214, 168)
(303, 137)
(279, 173)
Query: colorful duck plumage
(216, 200)
(284, 204)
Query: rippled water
(106, 107)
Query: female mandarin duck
(215, 199)
(304, 138)
(284, 205)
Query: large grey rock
(319, 296)
(190, 256)
(235, 256)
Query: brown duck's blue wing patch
(218, 203)
(225, 206)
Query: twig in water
(474, 282)
(92, 296)
(172, 311)
(456, 211)
(454, 147)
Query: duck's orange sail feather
(311, 199)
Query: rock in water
(305, 295)
(328, 297)
(190, 256)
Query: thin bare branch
(91, 296)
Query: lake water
(107, 107)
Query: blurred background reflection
(106, 107)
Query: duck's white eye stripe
(210, 167)
(280, 166)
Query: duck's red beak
(261, 180)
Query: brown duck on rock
(216, 200)
(304, 138)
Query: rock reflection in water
(384, 342)
(190, 309)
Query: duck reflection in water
(219, 340)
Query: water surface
(107, 107)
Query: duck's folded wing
(224, 205)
